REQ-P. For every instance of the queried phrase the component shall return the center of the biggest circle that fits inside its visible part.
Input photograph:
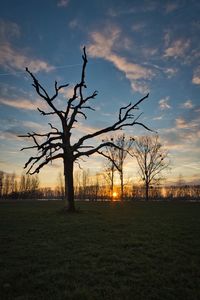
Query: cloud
(6, 135)
(19, 127)
(163, 103)
(67, 92)
(12, 59)
(129, 8)
(183, 137)
(167, 37)
(9, 30)
(63, 3)
(73, 24)
(170, 7)
(32, 125)
(196, 76)
(23, 103)
(196, 80)
(177, 49)
(104, 45)
(188, 104)
(181, 123)
(148, 52)
(17, 59)
(158, 118)
(138, 27)
(170, 72)
(140, 87)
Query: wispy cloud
(170, 7)
(181, 123)
(13, 59)
(67, 92)
(167, 37)
(139, 86)
(103, 45)
(196, 76)
(138, 27)
(63, 3)
(178, 48)
(158, 118)
(9, 30)
(170, 72)
(188, 104)
(73, 24)
(127, 9)
(163, 103)
(6, 135)
(183, 136)
(23, 103)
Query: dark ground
(113, 251)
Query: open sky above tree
(148, 46)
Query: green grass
(107, 251)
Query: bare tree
(1, 183)
(116, 157)
(60, 185)
(57, 143)
(152, 159)
(124, 145)
(28, 186)
(109, 170)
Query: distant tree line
(25, 187)
(91, 188)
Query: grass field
(107, 251)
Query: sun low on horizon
(133, 48)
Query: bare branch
(95, 149)
(43, 93)
(57, 89)
(117, 125)
(50, 159)
(44, 113)
(52, 127)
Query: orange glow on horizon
(115, 194)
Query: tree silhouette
(110, 166)
(57, 144)
(116, 157)
(152, 159)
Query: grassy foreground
(107, 251)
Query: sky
(133, 47)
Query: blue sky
(133, 47)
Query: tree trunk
(69, 186)
(147, 191)
(112, 182)
(122, 185)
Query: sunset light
(115, 194)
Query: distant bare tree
(124, 145)
(152, 159)
(116, 157)
(28, 186)
(110, 167)
(7, 185)
(1, 183)
(57, 144)
(60, 185)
